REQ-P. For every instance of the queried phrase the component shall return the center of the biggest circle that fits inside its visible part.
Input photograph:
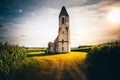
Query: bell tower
(62, 42)
(64, 31)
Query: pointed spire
(63, 12)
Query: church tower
(62, 42)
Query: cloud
(99, 2)
(116, 33)
(80, 3)
(3, 29)
(2, 37)
(22, 35)
(1, 26)
(112, 33)
(1, 17)
(20, 10)
(12, 9)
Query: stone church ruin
(62, 42)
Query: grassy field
(98, 62)
(69, 66)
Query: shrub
(10, 57)
(28, 49)
(103, 62)
(86, 49)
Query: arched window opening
(63, 20)
(62, 48)
(63, 32)
(62, 41)
(66, 28)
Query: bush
(103, 62)
(10, 57)
(86, 49)
(35, 49)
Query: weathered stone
(62, 42)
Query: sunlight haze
(34, 23)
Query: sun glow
(114, 15)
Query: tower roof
(63, 12)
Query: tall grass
(53, 67)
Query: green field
(69, 66)
(98, 62)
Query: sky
(34, 23)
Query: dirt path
(60, 70)
(62, 67)
(70, 72)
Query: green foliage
(10, 57)
(35, 49)
(82, 49)
(103, 62)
